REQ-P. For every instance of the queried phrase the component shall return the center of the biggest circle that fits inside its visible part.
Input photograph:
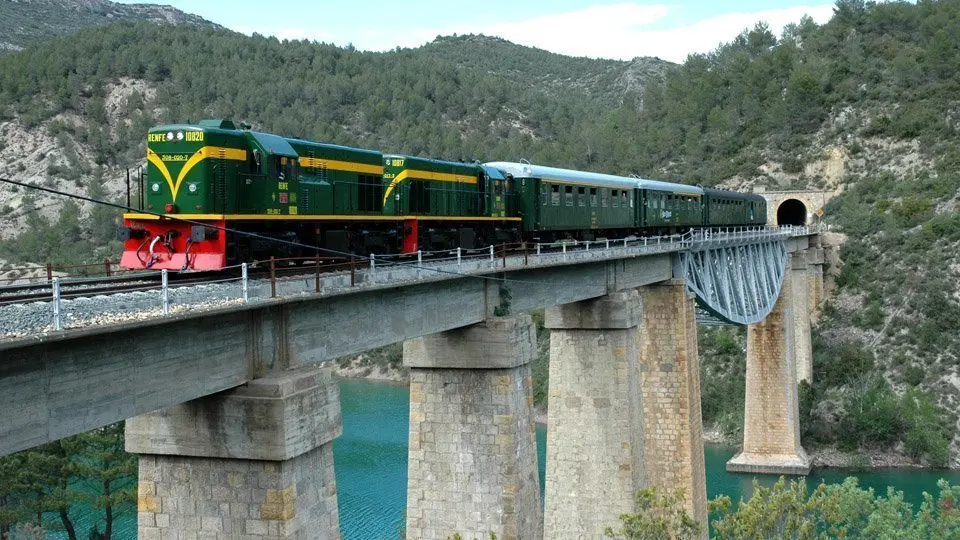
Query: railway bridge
(233, 416)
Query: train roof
(732, 194)
(371, 156)
(273, 144)
(429, 163)
(528, 170)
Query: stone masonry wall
(670, 381)
(595, 447)
(473, 454)
(193, 498)
(771, 428)
(803, 347)
(255, 462)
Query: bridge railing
(284, 277)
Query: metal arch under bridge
(736, 277)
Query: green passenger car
(729, 208)
(558, 202)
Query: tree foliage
(836, 511)
(656, 516)
(54, 479)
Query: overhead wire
(225, 229)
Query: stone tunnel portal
(792, 212)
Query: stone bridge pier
(472, 465)
(670, 382)
(771, 427)
(625, 393)
(252, 462)
(595, 433)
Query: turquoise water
(371, 463)
(371, 468)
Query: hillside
(866, 103)
(603, 81)
(28, 22)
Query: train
(207, 185)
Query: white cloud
(621, 31)
(705, 35)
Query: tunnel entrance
(792, 212)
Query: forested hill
(605, 81)
(27, 22)
(868, 103)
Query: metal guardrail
(393, 269)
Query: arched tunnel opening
(792, 212)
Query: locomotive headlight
(192, 188)
(179, 136)
(155, 187)
(170, 136)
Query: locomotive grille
(220, 183)
(303, 200)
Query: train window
(255, 165)
(555, 195)
(544, 194)
(604, 200)
(568, 195)
(615, 197)
(278, 163)
(581, 191)
(593, 196)
(581, 196)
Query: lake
(371, 467)
(371, 463)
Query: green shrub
(913, 375)
(925, 435)
(872, 317)
(837, 365)
(913, 210)
(878, 126)
(871, 415)
(792, 165)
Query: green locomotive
(205, 179)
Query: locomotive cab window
(256, 167)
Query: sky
(618, 30)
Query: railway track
(151, 280)
(73, 288)
(279, 270)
